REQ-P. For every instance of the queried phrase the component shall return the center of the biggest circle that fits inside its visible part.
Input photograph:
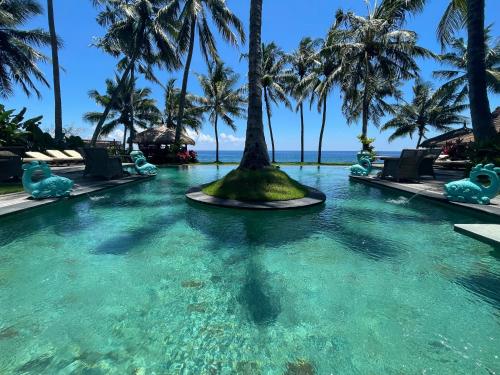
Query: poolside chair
(74, 154)
(10, 165)
(59, 155)
(426, 167)
(99, 164)
(406, 167)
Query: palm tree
(274, 83)
(193, 114)
(55, 71)
(482, 124)
(302, 64)
(18, 55)
(145, 111)
(457, 60)
(437, 109)
(221, 98)
(142, 31)
(255, 155)
(469, 14)
(321, 81)
(192, 15)
(375, 45)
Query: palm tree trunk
(131, 98)
(482, 124)
(268, 111)
(420, 136)
(301, 133)
(255, 155)
(216, 139)
(322, 131)
(364, 129)
(58, 131)
(182, 99)
(124, 137)
(105, 114)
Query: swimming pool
(139, 280)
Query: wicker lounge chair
(10, 165)
(426, 167)
(406, 167)
(99, 164)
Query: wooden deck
(17, 202)
(433, 189)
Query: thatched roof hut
(161, 135)
(464, 134)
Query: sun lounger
(37, 156)
(59, 155)
(73, 154)
(426, 167)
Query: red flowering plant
(456, 150)
(185, 157)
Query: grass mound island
(268, 184)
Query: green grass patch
(292, 163)
(269, 184)
(6, 188)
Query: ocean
(292, 156)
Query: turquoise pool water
(139, 281)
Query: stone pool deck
(18, 202)
(433, 189)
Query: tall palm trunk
(323, 122)
(301, 133)
(131, 98)
(268, 111)
(255, 155)
(124, 137)
(216, 138)
(182, 99)
(58, 131)
(482, 124)
(420, 136)
(364, 129)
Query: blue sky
(284, 22)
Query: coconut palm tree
(375, 44)
(193, 113)
(319, 84)
(302, 64)
(193, 19)
(482, 124)
(54, 45)
(145, 111)
(221, 98)
(19, 57)
(255, 155)
(457, 60)
(141, 31)
(437, 109)
(468, 14)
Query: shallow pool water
(140, 281)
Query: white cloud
(116, 135)
(200, 137)
(230, 138)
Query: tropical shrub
(187, 157)
(14, 129)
